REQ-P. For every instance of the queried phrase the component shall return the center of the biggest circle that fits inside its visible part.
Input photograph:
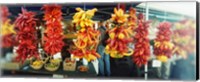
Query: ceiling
(181, 8)
(173, 11)
(103, 13)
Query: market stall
(136, 40)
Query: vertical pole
(146, 18)
(84, 7)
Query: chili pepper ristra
(26, 35)
(142, 45)
(162, 44)
(53, 35)
(87, 36)
(7, 29)
(119, 35)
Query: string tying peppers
(26, 35)
(53, 35)
(142, 46)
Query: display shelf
(91, 72)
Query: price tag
(156, 63)
(57, 56)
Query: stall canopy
(170, 11)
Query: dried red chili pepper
(142, 46)
(7, 40)
(26, 35)
(53, 33)
(163, 47)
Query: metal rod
(84, 6)
(146, 18)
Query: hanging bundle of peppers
(191, 28)
(7, 29)
(142, 46)
(87, 37)
(119, 36)
(162, 45)
(26, 35)
(4, 13)
(180, 39)
(132, 20)
(53, 36)
(183, 38)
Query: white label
(57, 56)
(96, 66)
(15, 49)
(156, 63)
(72, 57)
(96, 25)
(57, 76)
(74, 40)
(85, 62)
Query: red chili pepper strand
(182, 33)
(53, 33)
(26, 35)
(142, 46)
(7, 40)
(4, 13)
(164, 34)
